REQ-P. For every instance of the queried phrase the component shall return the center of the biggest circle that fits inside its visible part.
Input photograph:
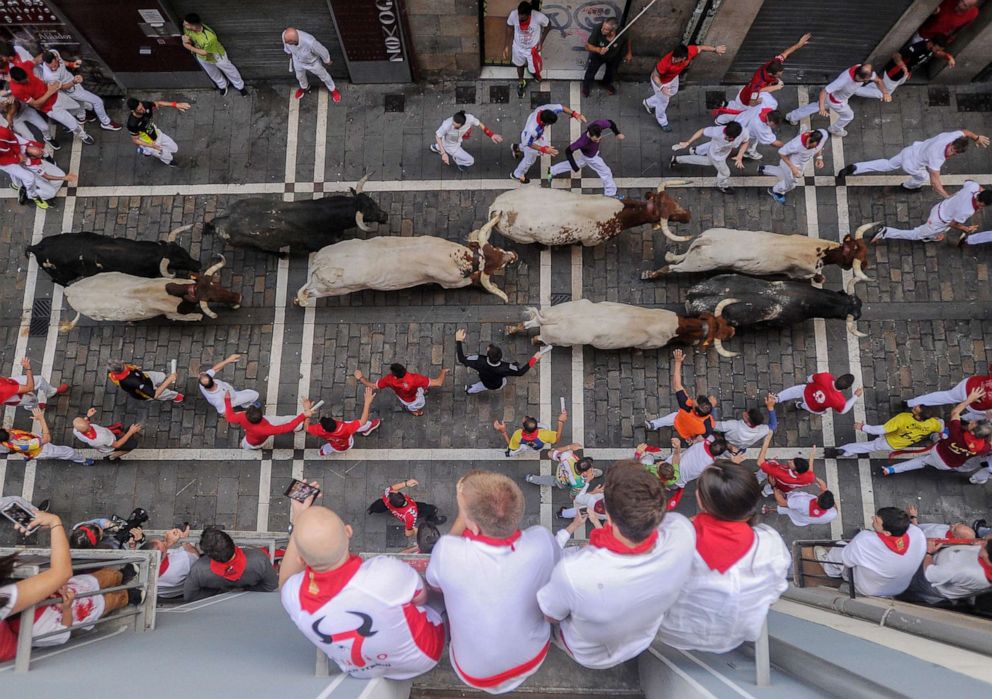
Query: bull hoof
(536, 340)
(512, 329)
(652, 275)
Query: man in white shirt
(639, 546)
(803, 508)
(835, 97)
(699, 456)
(526, 30)
(884, 558)
(113, 441)
(762, 124)
(308, 56)
(369, 617)
(214, 390)
(173, 567)
(952, 572)
(750, 429)
(534, 139)
(714, 153)
(490, 572)
(922, 160)
(793, 157)
(27, 390)
(945, 215)
(449, 136)
(55, 69)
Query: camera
(122, 527)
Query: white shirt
(956, 572)
(694, 461)
(739, 434)
(750, 119)
(103, 442)
(308, 51)
(379, 598)
(845, 85)
(716, 612)
(216, 396)
(799, 504)
(490, 592)
(451, 135)
(10, 592)
(880, 571)
(933, 530)
(531, 36)
(61, 74)
(85, 611)
(931, 153)
(959, 207)
(533, 132)
(798, 153)
(170, 583)
(720, 147)
(610, 605)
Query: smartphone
(19, 511)
(301, 491)
(583, 510)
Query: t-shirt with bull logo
(362, 616)
(960, 445)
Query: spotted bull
(391, 263)
(307, 225)
(612, 326)
(760, 253)
(67, 257)
(559, 217)
(125, 297)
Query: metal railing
(268, 540)
(31, 561)
(800, 574)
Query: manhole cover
(939, 97)
(499, 94)
(395, 103)
(978, 102)
(41, 315)
(465, 95)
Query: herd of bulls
(767, 279)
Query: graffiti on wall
(571, 24)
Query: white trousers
(157, 378)
(221, 71)
(979, 238)
(530, 155)
(918, 176)
(461, 157)
(47, 189)
(765, 99)
(952, 397)
(29, 115)
(786, 180)
(663, 94)
(845, 115)
(273, 420)
(417, 403)
(87, 99)
(64, 111)
(796, 393)
(326, 449)
(43, 390)
(596, 163)
(317, 69)
(871, 90)
(479, 387)
(880, 443)
(664, 421)
(22, 177)
(931, 458)
(704, 156)
(522, 57)
(927, 232)
(53, 451)
(165, 142)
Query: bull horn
(718, 312)
(360, 221)
(670, 183)
(481, 235)
(66, 327)
(163, 269)
(206, 310)
(853, 328)
(860, 233)
(849, 289)
(663, 225)
(858, 272)
(718, 345)
(214, 268)
(361, 183)
(488, 285)
(174, 233)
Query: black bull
(301, 225)
(67, 257)
(770, 303)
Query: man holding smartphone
(405, 508)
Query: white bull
(760, 253)
(611, 326)
(391, 263)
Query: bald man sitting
(368, 617)
(309, 55)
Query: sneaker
(559, 514)
(373, 427)
(16, 187)
(839, 133)
(244, 91)
(435, 149)
(780, 198)
(888, 470)
(832, 453)
(522, 180)
(88, 462)
(767, 490)
(727, 189)
(673, 162)
(111, 126)
(521, 87)
(53, 144)
(439, 520)
(517, 153)
(62, 389)
(847, 171)
(141, 151)
(529, 478)
(22, 195)
(87, 139)
(179, 398)
(765, 509)
(300, 92)
(647, 107)
(980, 477)
(761, 170)
(46, 503)
(753, 156)
(80, 118)
(792, 122)
(619, 197)
(223, 91)
(335, 96)
(976, 525)
(173, 162)
(41, 203)
(462, 168)
(909, 189)
(666, 128)
(647, 425)
(820, 553)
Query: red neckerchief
(895, 544)
(721, 543)
(232, 569)
(986, 568)
(163, 566)
(603, 538)
(805, 139)
(482, 538)
(814, 509)
(120, 376)
(90, 433)
(317, 588)
(530, 436)
(763, 114)
(524, 23)
(852, 71)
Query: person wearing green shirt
(599, 38)
(201, 41)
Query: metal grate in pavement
(465, 94)
(560, 298)
(939, 97)
(499, 94)
(976, 102)
(395, 103)
(41, 314)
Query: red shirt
(668, 71)
(946, 21)
(820, 394)
(761, 78)
(33, 88)
(981, 382)
(257, 433)
(406, 514)
(786, 479)
(340, 438)
(406, 388)
(960, 445)
(10, 154)
(8, 387)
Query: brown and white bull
(125, 297)
(560, 217)
(762, 254)
(391, 263)
(612, 326)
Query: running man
(493, 371)
(410, 388)
(449, 136)
(113, 440)
(29, 391)
(33, 446)
(214, 390)
(526, 30)
(665, 78)
(834, 97)
(714, 152)
(793, 157)
(339, 435)
(142, 385)
(258, 427)
(201, 41)
(150, 139)
(766, 80)
(531, 435)
(822, 392)
(952, 212)
(694, 418)
(533, 139)
(585, 151)
(308, 56)
(900, 432)
(903, 62)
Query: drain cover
(41, 315)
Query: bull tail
(534, 314)
(29, 251)
(66, 327)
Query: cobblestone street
(925, 310)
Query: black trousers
(426, 512)
(595, 61)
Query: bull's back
(118, 296)
(270, 225)
(70, 256)
(752, 252)
(607, 325)
(555, 216)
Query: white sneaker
(648, 426)
(434, 149)
(840, 133)
(529, 478)
(767, 490)
(979, 477)
(647, 107)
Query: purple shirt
(589, 147)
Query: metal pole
(762, 658)
(630, 23)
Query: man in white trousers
(534, 140)
(49, 100)
(28, 391)
(214, 390)
(33, 446)
(449, 136)
(150, 139)
(55, 69)
(723, 140)
(945, 215)
(585, 151)
(834, 97)
(308, 55)
(922, 160)
(900, 432)
(903, 62)
(793, 157)
(976, 411)
(201, 41)
(665, 78)
(761, 123)
(13, 161)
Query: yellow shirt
(547, 438)
(904, 430)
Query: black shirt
(143, 124)
(490, 375)
(914, 55)
(597, 39)
(136, 384)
